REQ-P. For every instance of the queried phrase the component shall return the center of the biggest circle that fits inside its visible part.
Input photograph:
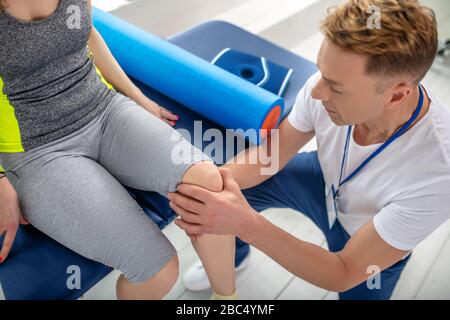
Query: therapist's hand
(203, 211)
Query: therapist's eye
(336, 91)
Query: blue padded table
(37, 267)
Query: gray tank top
(48, 77)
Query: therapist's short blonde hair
(404, 42)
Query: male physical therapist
(380, 181)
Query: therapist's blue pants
(300, 186)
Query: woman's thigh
(143, 152)
(78, 203)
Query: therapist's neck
(381, 129)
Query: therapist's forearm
(305, 260)
(111, 70)
(246, 173)
(257, 164)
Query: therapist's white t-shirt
(405, 189)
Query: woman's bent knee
(204, 174)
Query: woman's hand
(10, 216)
(167, 116)
(159, 111)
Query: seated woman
(69, 142)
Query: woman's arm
(114, 74)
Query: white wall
(440, 7)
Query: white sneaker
(195, 278)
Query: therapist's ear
(397, 95)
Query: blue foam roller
(199, 85)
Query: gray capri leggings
(71, 189)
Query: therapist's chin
(336, 119)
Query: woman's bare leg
(154, 288)
(215, 251)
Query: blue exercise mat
(37, 265)
(257, 70)
(199, 85)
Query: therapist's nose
(321, 91)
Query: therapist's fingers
(195, 192)
(228, 180)
(193, 237)
(189, 227)
(23, 220)
(185, 214)
(186, 202)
